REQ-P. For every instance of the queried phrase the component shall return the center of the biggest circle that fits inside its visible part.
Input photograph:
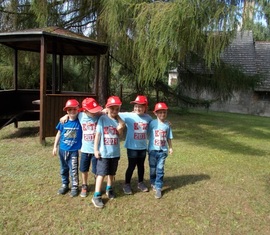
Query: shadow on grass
(23, 132)
(175, 182)
(235, 131)
(170, 183)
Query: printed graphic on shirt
(140, 130)
(89, 131)
(70, 136)
(110, 135)
(160, 138)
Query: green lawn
(216, 182)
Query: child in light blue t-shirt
(160, 144)
(136, 141)
(107, 148)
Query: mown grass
(216, 182)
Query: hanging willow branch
(157, 32)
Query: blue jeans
(156, 164)
(69, 166)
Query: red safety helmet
(71, 104)
(140, 99)
(160, 106)
(113, 101)
(91, 105)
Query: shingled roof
(252, 57)
(241, 52)
(263, 64)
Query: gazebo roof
(59, 41)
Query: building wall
(245, 103)
(253, 58)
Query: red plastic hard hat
(72, 103)
(140, 99)
(113, 101)
(91, 105)
(160, 106)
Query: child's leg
(160, 169)
(64, 168)
(74, 169)
(85, 162)
(141, 154)
(132, 162)
(99, 181)
(152, 166)
(94, 165)
(96, 200)
(110, 180)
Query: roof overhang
(59, 41)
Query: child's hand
(170, 151)
(54, 151)
(64, 119)
(97, 154)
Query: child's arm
(64, 119)
(121, 125)
(56, 141)
(170, 146)
(96, 143)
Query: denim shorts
(107, 166)
(134, 153)
(85, 161)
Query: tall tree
(148, 36)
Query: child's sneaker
(74, 192)
(127, 189)
(142, 187)
(84, 190)
(153, 187)
(110, 194)
(97, 201)
(158, 193)
(63, 190)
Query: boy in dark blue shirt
(69, 138)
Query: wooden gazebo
(44, 105)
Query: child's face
(90, 114)
(161, 114)
(139, 109)
(72, 112)
(113, 111)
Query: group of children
(96, 132)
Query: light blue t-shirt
(109, 145)
(137, 125)
(89, 130)
(159, 133)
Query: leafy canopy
(157, 32)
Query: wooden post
(15, 74)
(43, 83)
(97, 68)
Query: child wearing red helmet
(91, 111)
(107, 148)
(160, 144)
(136, 141)
(69, 138)
(88, 119)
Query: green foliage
(145, 37)
(157, 32)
